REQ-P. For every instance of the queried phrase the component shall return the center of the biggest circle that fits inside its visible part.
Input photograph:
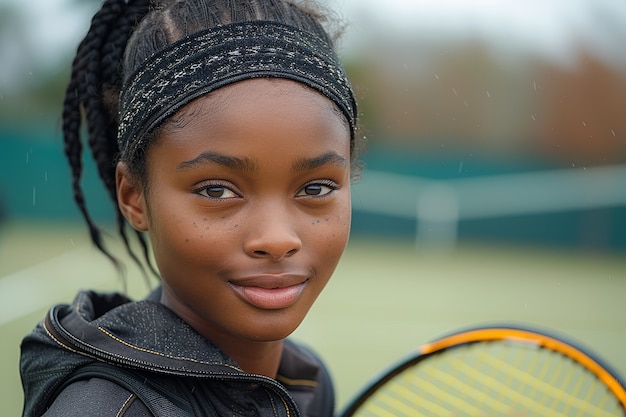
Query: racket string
(506, 379)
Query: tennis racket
(495, 371)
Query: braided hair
(122, 35)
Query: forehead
(253, 92)
(276, 113)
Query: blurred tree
(13, 46)
(32, 78)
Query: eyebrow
(247, 164)
(240, 164)
(329, 158)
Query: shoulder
(299, 361)
(307, 379)
(301, 353)
(96, 397)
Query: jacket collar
(142, 335)
(145, 336)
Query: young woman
(225, 132)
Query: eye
(216, 192)
(317, 189)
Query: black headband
(213, 58)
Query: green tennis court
(385, 299)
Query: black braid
(96, 75)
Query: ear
(130, 198)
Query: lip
(270, 292)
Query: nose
(273, 234)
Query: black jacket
(179, 372)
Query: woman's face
(248, 207)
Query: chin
(271, 335)
(274, 330)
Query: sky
(41, 36)
(54, 24)
(552, 28)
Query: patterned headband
(213, 58)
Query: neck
(253, 357)
(260, 358)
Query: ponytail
(94, 88)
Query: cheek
(187, 239)
(335, 233)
